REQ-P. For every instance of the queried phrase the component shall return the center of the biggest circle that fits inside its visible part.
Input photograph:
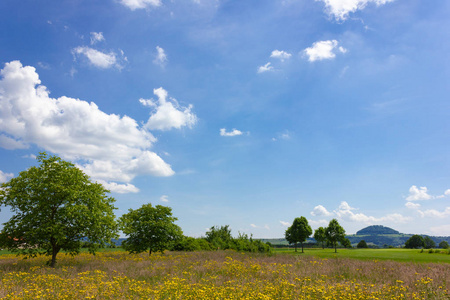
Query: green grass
(401, 255)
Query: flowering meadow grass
(219, 275)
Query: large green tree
(55, 207)
(334, 233)
(219, 237)
(149, 228)
(415, 241)
(429, 243)
(319, 236)
(298, 232)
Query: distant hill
(375, 236)
(376, 229)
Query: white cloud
(140, 4)
(96, 37)
(99, 59)
(253, 226)
(323, 50)
(281, 55)
(411, 205)
(267, 67)
(106, 146)
(447, 192)
(161, 57)
(115, 187)
(346, 213)
(234, 132)
(5, 176)
(285, 224)
(320, 210)
(433, 213)
(164, 198)
(443, 230)
(168, 113)
(341, 8)
(418, 194)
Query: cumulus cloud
(340, 9)
(161, 57)
(107, 147)
(418, 194)
(140, 4)
(320, 210)
(281, 55)
(119, 188)
(267, 67)
(285, 224)
(96, 37)
(167, 112)
(100, 59)
(164, 198)
(5, 176)
(323, 50)
(411, 205)
(234, 132)
(345, 212)
(447, 192)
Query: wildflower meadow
(219, 275)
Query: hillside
(376, 229)
(376, 235)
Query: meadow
(220, 275)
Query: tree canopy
(362, 244)
(298, 232)
(334, 233)
(416, 241)
(55, 207)
(319, 236)
(149, 228)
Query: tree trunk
(150, 252)
(302, 247)
(55, 250)
(295, 245)
(335, 247)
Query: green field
(401, 255)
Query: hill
(376, 229)
(375, 236)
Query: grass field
(401, 255)
(220, 275)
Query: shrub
(362, 244)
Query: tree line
(56, 207)
(300, 230)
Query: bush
(362, 244)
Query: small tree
(55, 208)
(219, 237)
(320, 237)
(362, 244)
(334, 233)
(429, 243)
(443, 245)
(416, 241)
(346, 243)
(298, 232)
(149, 228)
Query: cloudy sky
(240, 113)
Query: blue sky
(240, 113)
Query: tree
(219, 237)
(346, 243)
(334, 233)
(443, 245)
(362, 244)
(429, 243)
(319, 236)
(298, 232)
(416, 241)
(56, 207)
(149, 228)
